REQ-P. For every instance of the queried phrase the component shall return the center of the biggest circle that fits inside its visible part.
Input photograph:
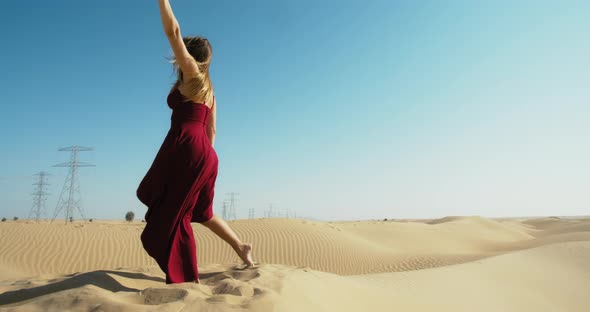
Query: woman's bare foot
(245, 253)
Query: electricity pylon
(232, 205)
(39, 196)
(70, 199)
(224, 210)
(269, 212)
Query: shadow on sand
(98, 278)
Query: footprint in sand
(155, 296)
(244, 275)
(233, 287)
(234, 282)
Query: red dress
(178, 190)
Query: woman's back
(186, 110)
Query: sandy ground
(448, 264)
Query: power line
(70, 198)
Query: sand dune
(553, 277)
(448, 264)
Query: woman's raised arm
(184, 60)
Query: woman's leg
(222, 229)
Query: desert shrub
(129, 216)
(71, 219)
(3, 219)
(89, 220)
(15, 218)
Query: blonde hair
(199, 87)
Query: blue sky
(338, 110)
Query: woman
(179, 186)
